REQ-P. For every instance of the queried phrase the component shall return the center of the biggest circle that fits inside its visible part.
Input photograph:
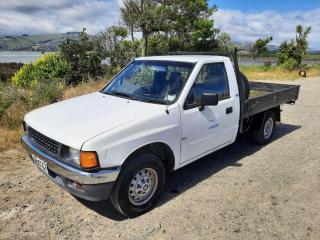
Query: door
(207, 129)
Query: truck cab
(157, 115)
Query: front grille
(45, 142)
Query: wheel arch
(160, 149)
(258, 118)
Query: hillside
(43, 42)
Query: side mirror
(208, 99)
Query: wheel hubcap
(268, 128)
(143, 186)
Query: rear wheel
(263, 134)
(139, 185)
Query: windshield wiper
(149, 100)
(122, 94)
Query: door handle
(229, 110)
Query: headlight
(84, 159)
(72, 156)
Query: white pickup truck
(156, 116)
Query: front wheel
(264, 133)
(139, 185)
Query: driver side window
(212, 78)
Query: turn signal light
(88, 159)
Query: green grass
(276, 73)
(274, 55)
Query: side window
(211, 78)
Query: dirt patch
(240, 192)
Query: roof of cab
(184, 58)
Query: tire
(143, 173)
(303, 73)
(265, 130)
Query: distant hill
(43, 42)
(313, 51)
(272, 48)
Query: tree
(128, 19)
(158, 44)
(84, 57)
(290, 53)
(143, 15)
(259, 47)
(189, 24)
(301, 40)
(224, 41)
(185, 24)
(112, 40)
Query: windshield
(151, 81)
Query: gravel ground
(240, 192)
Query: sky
(245, 20)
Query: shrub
(290, 64)
(8, 96)
(290, 53)
(15, 102)
(46, 92)
(49, 66)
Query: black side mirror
(208, 99)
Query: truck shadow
(194, 173)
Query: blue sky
(247, 20)
(244, 20)
(262, 5)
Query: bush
(46, 92)
(290, 64)
(15, 102)
(8, 96)
(49, 66)
(290, 53)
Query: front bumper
(92, 186)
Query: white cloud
(46, 16)
(248, 26)
(19, 16)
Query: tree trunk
(254, 56)
(132, 37)
(145, 43)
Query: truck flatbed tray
(264, 96)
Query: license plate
(42, 165)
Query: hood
(74, 121)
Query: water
(28, 57)
(19, 56)
(250, 63)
